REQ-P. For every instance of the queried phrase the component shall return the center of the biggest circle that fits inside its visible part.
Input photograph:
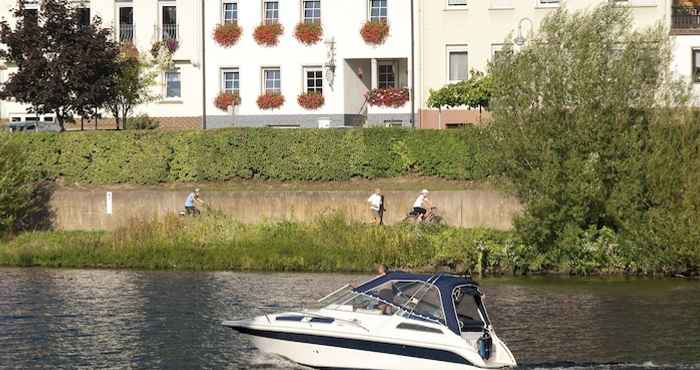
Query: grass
(216, 243)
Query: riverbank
(329, 244)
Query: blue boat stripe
(362, 345)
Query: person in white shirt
(376, 206)
(421, 205)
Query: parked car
(32, 126)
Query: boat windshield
(414, 299)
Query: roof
(445, 283)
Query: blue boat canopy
(444, 303)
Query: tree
(63, 67)
(473, 93)
(581, 114)
(132, 84)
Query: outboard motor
(485, 343)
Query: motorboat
(395, 321)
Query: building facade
(438, 43)
(457, 36)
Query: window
(272, 78)
(312, 11)
(83, 17)
(271, 12)
(126, 24)
(386, 75)
(548, 3)
(230, 80)
(453, 3)
(696, 65)
(169, 22)
(496, 50)
(31, 15)
(467, 309)
(230, 12)
(313, 80)
(173, 86)
(378, 10)
(457, 63)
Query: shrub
(142, 122)
(388, 97)
(375, 32)
(304, 155)
(24, 198)
(227, 99)
(268, 34)
(128, 51)
(227, 34)
(308, 33)
(270, 101)
(311, 101)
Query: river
(171, 320)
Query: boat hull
(324, 352)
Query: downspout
(204, 69)
(413, 68)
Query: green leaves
(474, 93)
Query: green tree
(473, 93)
(579, 113)
(63, 67)
(132, 84)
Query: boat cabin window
(414, 298)
(467, 308)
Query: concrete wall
(85, 210)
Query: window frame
(395, 70)
(695, 65)
(161, 19)
(222, 79)
(460, 6)
(265, 19)
(305, 78)
(449, 49)
(121, 6)
(223, 11)
(166, 82)
(549, 3)
(304, 19)
(263, 76)
(379, 18)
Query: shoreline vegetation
(329, 244)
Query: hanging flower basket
(268, 34)
(227, 99)
(170, 44)
(388, 97)
(269, 101)
(227, 34)
(128, 51)
(308, 33)
(311, 101)
(375, 32)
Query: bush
(24, 199)
(142, 122)
(304, 155)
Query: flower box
(308, 33)
(269, 101)
(311, 101)
(375, 32)
(268, 34)
(388, 97)
(227, 34)
(227, 99)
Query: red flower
(308, 33)
(375, 32)
(227, 99)
(311, 100)
(270, 101)
(227, 34)
(388, 97)
(128, 51)
(268, 34)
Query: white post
(108, 208)
(375, 77)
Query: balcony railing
(169, 32)
(126, 32)
(685, 19)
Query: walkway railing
(685, 18)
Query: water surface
(146, 320)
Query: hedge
(220, 155)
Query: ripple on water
(161, 320)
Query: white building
(342, 66)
